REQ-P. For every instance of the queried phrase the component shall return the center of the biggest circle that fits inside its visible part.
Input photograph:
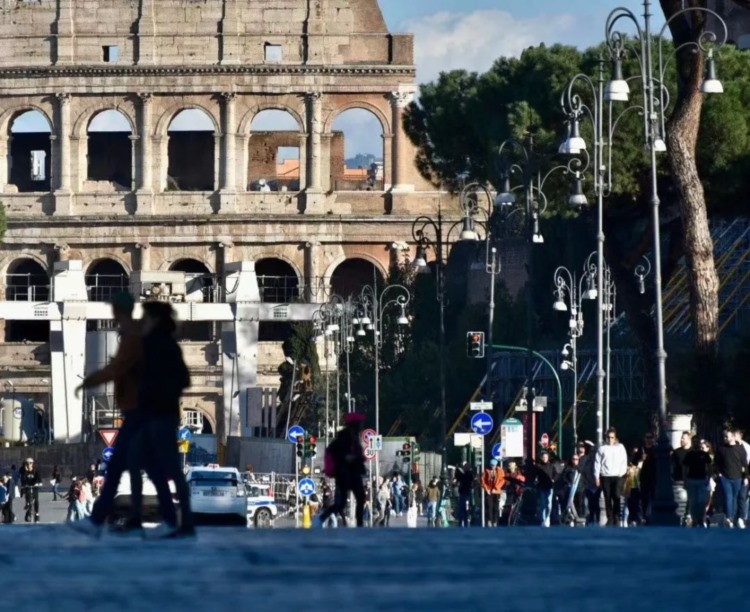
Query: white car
(261, 505)
(217, 492)
(121, 506)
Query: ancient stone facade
(153, 199)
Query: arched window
(357, 151)
(30, 155)
(278, 283)
(104, 279)
(351, 275)
(273, 155)
(27, 281)
(110, 150)
(191, 151)
(199, 287)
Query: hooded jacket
(493, 480)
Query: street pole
(574, 351)
(328, 389)
(441, 300)
(529, 324)
(376, 338)
(598, 156)
(496, 410)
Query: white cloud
(473, 41)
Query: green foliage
(461, 119)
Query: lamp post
(49, 410)
(376, 304)
(429, 233)
(528, 164)
(654, 100)
(610, 315)
(569, 295)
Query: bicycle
(525, 506)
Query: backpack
(329, 463)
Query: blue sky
(471, 34)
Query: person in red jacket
(493, 481)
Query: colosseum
(135, 152)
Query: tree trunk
(682, 136)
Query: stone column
(229, 166)
(217, 161)
(63, 128)
(315, 127)
(146, 178)
(387, 161)
(399, 101)
(4, 162)
(312, 289)
(144, 256)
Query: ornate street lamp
(652, 106)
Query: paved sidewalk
(525, 569)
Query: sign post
(481, 425)
(511, 433)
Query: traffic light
(300, 447)
(405, 452)
(475, 344)
(310, 450)
(414, 453)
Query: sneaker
(128, 528)
(36, 518)
(162, 531)
(740, 523)
(728, 523)
(86, 527)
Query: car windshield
(256, 491)
(214, 479)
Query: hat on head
(122, 301)
(29, 460)
(353, 417)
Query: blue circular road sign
(185, 434)
(107, 454)
(481, 423)
(497, 451)
(295, 431)
(306, 487)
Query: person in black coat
(164, 378)
(349, 468)
(29, 482)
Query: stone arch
(84, 119)
(278, 279)
(114, 257)
(200, 286)
(27, 280)
(170, 263)
(274, 156)
(165, 119)
(28, 160)
(191, 151)
(109, 149)
(9, 263)
(10, 113)
(247, 119)
(363, 257)
(208, 421)
(385, 124)
(106, 277)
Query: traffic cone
(306, 518)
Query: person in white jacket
(610, 467)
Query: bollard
(306, 521)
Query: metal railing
(103, 287)
(27, 288)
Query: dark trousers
(648, 490)
(31, 496)
(344, 485)
(117, 465)
(612, 490)
(491, 508)
(8, 515)
(155, 451)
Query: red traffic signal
(312, 439)
(406, 446)
(300, 439)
